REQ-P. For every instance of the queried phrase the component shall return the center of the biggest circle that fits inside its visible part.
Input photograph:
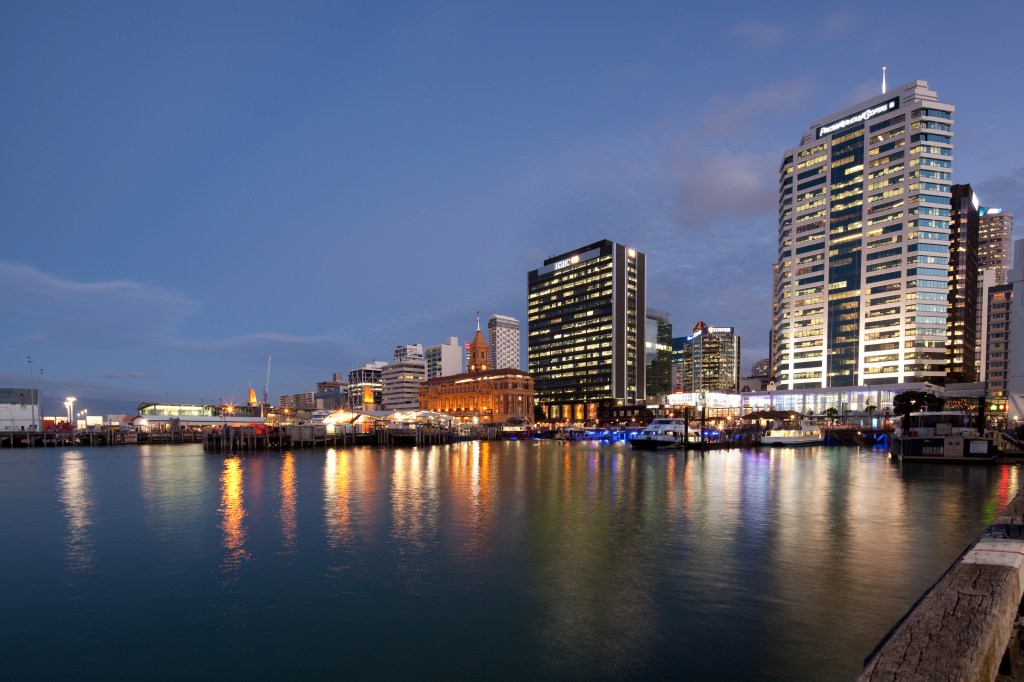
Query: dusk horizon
(192, 190)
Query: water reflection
(78, 511)
(289, 528)
(415, 514)
(232, 510)
(337, 497)
(593, 584)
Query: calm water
(474, 561)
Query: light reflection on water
(232, 510)
(289, 519)
(78, 507)
(528, 560)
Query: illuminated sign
(568, 261)
(719, 330)
(859, 117)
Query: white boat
(790, 432)
(667, 432)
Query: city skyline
(190, 191)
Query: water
(531, 560)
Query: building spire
(883, 80)
(478, 320)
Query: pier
(966, 627)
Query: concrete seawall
(966, 626)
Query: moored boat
(667, 432)
(942, 437)
(790, 432)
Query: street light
(69, 403)
(29, 359)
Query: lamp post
(69, 403)
(32, 404)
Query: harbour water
(507, 560)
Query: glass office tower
(586, 331)
(861, 280)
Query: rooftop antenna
(883, 80)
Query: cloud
(728, 117)
(837, 23)
(135, 375)
(118, 312)
(121, 312)
(724, 185)
(760, 34)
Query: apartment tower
(862, 276)
(995, 252)
(503, 338)
(586, 331)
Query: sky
(189, 189)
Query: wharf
(246, 438)
(93, 436)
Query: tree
(916, 401)
(538, 414)
(831, 413)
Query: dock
(967, 626)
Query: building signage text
(859, 117)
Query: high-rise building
(401, 380)
(861, 281)
(710, 360)
(586, 331)
(678, 369)
(995, 241)
(761, 368)
(962, 297)
(445, 359)
(1015, 361)
(997, 352)
(658, 354)
(364, 386)
(503, 339)
(995, 250)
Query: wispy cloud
(760, 34)
(837, 23)
(118, 312)
(133, 375)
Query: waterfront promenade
(966, 627)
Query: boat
(943, 437)
(668, 432)
(790, 432)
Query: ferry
(668, 432)
(791, 432)
(942, 437)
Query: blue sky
(189, 188)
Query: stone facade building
(482, 394)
